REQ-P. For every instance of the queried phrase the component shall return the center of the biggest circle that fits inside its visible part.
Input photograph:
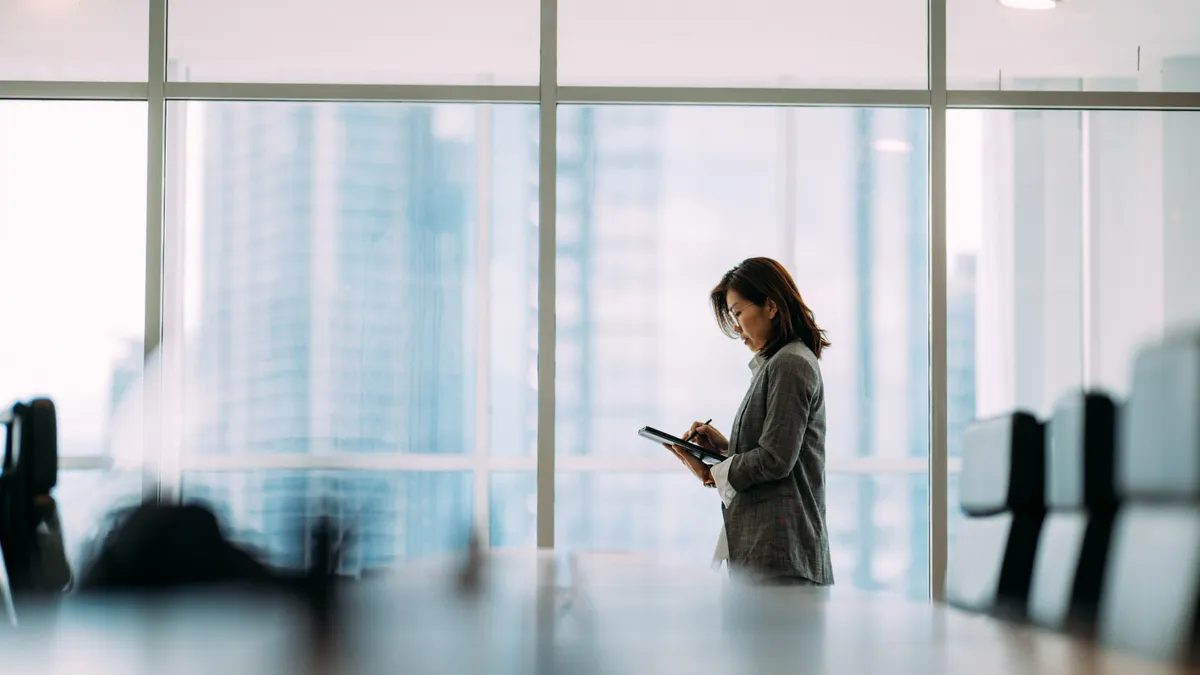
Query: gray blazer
(775, 525)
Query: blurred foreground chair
(30, 533)
(1001, 493)
(1081, 496)
(1151, 593)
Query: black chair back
(1080, 492)
(1001, 492)
(30, 536)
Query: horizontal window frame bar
(74, 91)
(491, 463)
(583, 95)
(769, 96)
(354, 93)
(1074, 100)
(85, 463)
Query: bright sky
(72, 240)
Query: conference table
(541, 613)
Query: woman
(773, 483)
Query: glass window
(513, 508)
(1032, 313)
(1072, 239)
(756, 43)
(838, 196)
(1152, 45)
(664, 513)
(332, 282)
(1014, 247)
(88, 504)
(73, 227)
(330, 292)
(878, 532)
(355, 41)
(389, 517)
(97, 40)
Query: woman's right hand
(706, 436)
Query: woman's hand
(707, 436)
(699, 469)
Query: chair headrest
(1081, 452)
(1003, 465)
(32, 445)
(1158, 456)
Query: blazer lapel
(735, 444)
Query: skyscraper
(342, 309)
(336, 257)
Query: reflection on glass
(390, 517)
(661, 202)
(1145, 46)
(73, 227)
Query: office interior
(426, 267)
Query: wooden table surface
(601, 617)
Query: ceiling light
(1030, 4)
(891, 145)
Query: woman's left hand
(699, 469)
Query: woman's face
(753, 323)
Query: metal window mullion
(300, 91)
(153, 478)
(746, 96)
(787, 188)
(425, 462)
(1074, 100)
(72, 91)
(1085, 239)
(937, 301)
(637, 95)
(547, 242)
(481, 503)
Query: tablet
(703, 454)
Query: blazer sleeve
(789, 382)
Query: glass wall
(72, 263)
(1072, 46)
(753, 43)
(1072, 237)
(354, 41)
(654, 205)
(328, 298)
(354, 289)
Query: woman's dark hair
(761, 279)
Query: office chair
(1081, 496)
(1151, 596)
(1001, 493)
(30, 534)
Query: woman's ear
(772, 309)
